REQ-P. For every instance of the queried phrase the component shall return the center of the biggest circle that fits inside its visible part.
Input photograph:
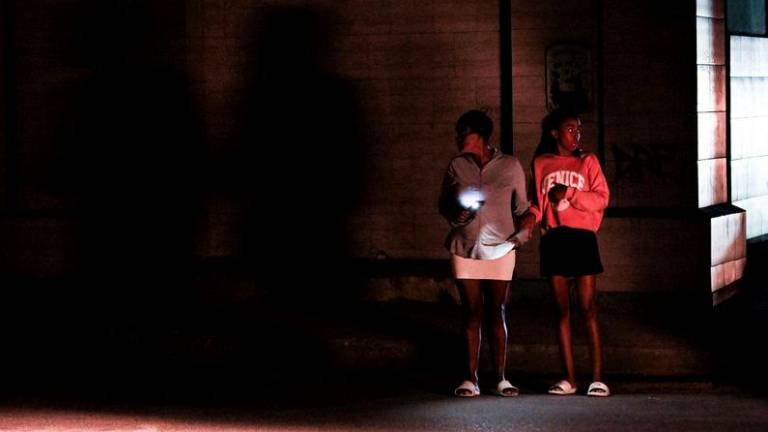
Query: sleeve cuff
(536, 213)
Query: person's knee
(563, 312)
(589, 312)
(473, 326)
(473, 317)
(563, 309)
(497, 312)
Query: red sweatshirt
(587, 193)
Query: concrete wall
(389, 77)
(728, 225)
(100, 150)
(749, 151)
(710, 61)
(370, 90)
(649, 104)
(644, 99)
(411, 67)
(535, 26)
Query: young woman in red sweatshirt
(569, 199)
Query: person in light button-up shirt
(482, 197)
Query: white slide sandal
(562, 388)
(598, 389)
(506, 389)
(467, 389)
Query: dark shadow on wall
(125, 164)
(129, 161)
(298, 166)
(130, 165)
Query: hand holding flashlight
(471, 200)
(464, 216)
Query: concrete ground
(362, 402)
(68, 365)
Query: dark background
(190, 187)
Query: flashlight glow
(471, 199)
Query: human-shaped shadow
(299, 164)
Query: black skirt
(569, 252)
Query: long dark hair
(553, 120)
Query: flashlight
(471, 199)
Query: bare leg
(587, 291)
(472, 307)
(496, 300)
(562, 297)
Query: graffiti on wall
(636, 162)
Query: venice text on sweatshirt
(585, 199)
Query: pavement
(391, 402)
(68, 365)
